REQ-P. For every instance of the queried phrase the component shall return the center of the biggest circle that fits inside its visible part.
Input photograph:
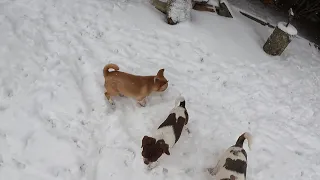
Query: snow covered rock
(178, 11)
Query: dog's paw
(111, 107)
(121, 95)
(211, 171)
(111, 102)
(148, 168)
(188, 130)
(142, 104)
(152, 165)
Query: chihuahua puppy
(129, 85)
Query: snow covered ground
(55, 123)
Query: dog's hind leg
(109, 98)
(111, 90)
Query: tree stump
(178, 11)
(279, 39)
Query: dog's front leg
(142, 102)
(214, 171)
(109, 98)
(151, 166)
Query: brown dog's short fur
(137, 87)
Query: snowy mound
(179, 10)
(290, 29)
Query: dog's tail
(241, 139)
(180, 101)
(109, 66)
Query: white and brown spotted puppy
(233, 163)
(167, 134)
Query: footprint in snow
(9, 92)
(165, 171)
(18, 164)
(3, 107)
(1, 160)
(83, 168)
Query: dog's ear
(155, 79)
(147, 140)
(164, 147)
(160, 73)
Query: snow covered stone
(178, 11)
(291, 30)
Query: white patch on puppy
(233, 163)
(167, 134)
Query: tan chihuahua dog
(137, 87)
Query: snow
(291, 12)
(291, 30)
(55, 122)
(179, 10)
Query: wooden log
(223, 9)
(204, 7)
(278, 41)
(161, 6)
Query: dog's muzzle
(164, 87)
(146, 161)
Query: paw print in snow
(83, 168)
(224, 84)
(9, 92)
(165, 171)
(99, 35)
(18, 164)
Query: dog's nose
(146, 162)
